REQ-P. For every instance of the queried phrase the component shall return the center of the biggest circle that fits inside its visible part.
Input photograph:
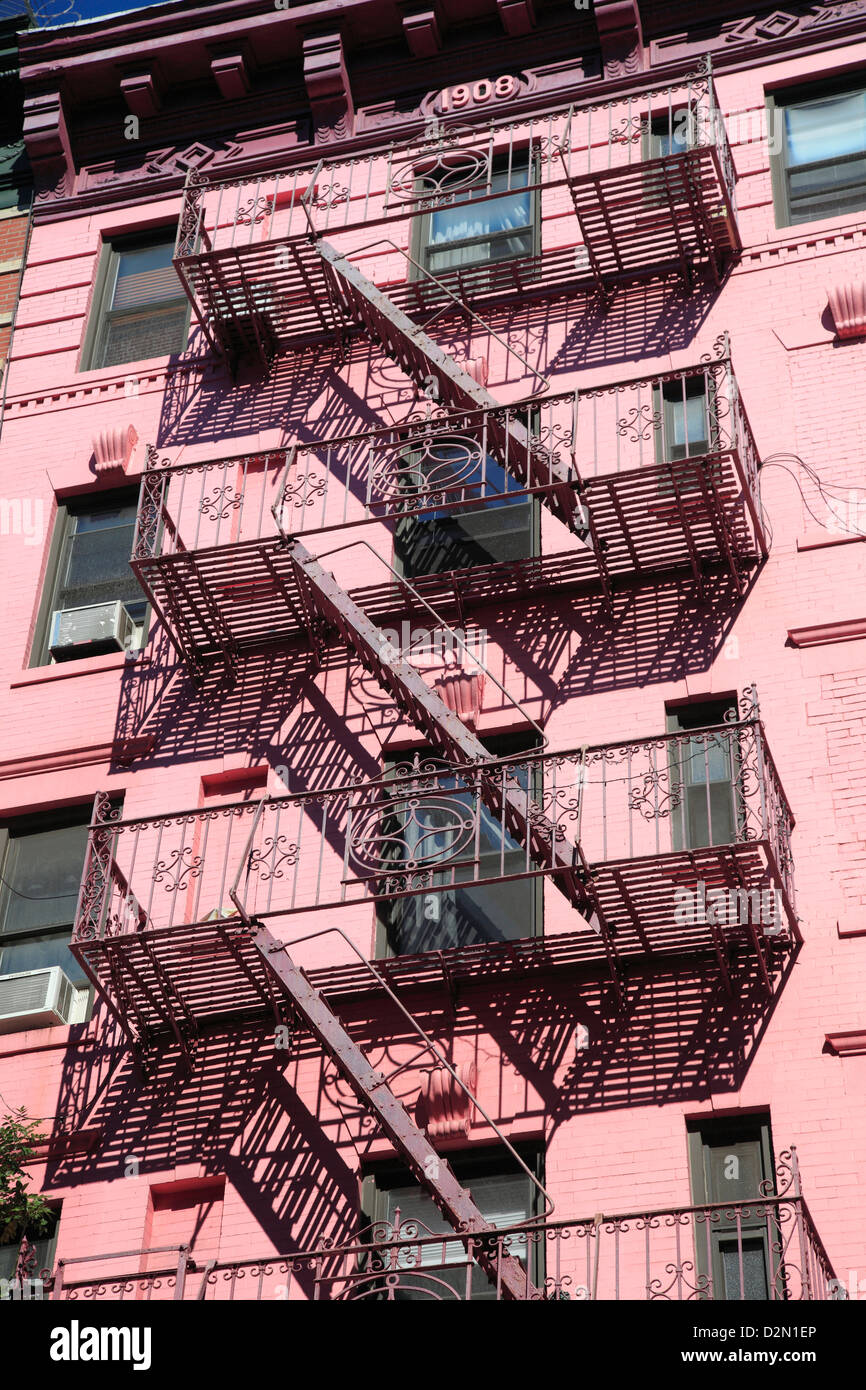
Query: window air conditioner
(100, 627)
(35, 999)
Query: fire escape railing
(672, 1254)
(681, 842)
(649, 178)
(664, 469)
(434, 461)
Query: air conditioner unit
(35, 999)
(100, 627)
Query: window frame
(500, 746)
(411, 518)
(466, 1163)
(43, 822)
(703, 1137)
(100, 311)
(422, 224)
(680, 836)
(66, 510)
(775, 102)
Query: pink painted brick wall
(614, 1122)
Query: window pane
(41, 878)
(826, 129)
(96, 565)
(40, 953)
(685, 419)
(473, 232)
(462, 916)
(755, 1284)
(704, 771)
(503, 1199)
(134, 337)
(145, 277)
(481, 533)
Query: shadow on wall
(651, 635)
(302, 393)
(288, 1134)
(307, 395)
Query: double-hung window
(819, 152)
(427, 825)
(705, 772)
(93, 602)
(26, 1255)
(42, 860)
(495, 220)
(489, 526)
(731, 1165)
(683, 414)
(504, 1194)
(139, 310)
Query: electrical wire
(37, 897)
(828, 492)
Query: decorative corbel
(517, 16)
(142, 92)
(447, 1107)
(848, 307)
(232, 73)
(113, 449)
(620, 35)
(422, 31)
(327, 81)
(46, 137)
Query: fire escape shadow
(237, 1114)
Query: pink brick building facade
(538, 328)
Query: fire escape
(637, 484)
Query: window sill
(821, 226)
(86, 666)
(820, 540)
(143, 366)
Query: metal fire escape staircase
(325, 603)
(431, 1170)
(328, 601)
(424, 362)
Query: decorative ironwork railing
(437, 462)
(694, 412)
(428, 827)
(765, 1248)
(455, 163)
(688, 428)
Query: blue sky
(90, 9)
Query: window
(704, 773)
(819, 159)
(476, 533)
(474, 229)
(505, 911)
(42, 861)
(681, 407)
(729, 1162)
(666, 134)
(28, 1255)
(669, 133)
(504, 1195)
(139, 309)
(90, 573)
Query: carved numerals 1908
(477, 93)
